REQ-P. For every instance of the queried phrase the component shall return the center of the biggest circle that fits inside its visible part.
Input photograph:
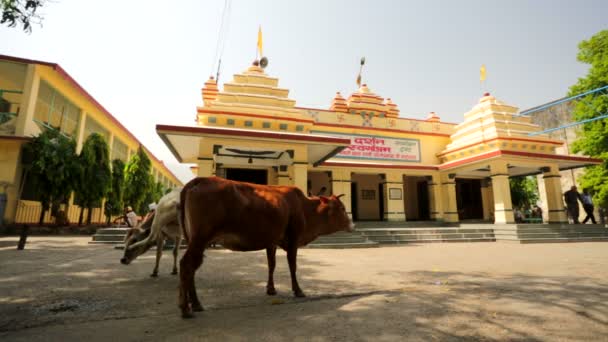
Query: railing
(29, 212)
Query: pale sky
(146, 61)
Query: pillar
(300, 175)
(553, 193)
(503, 209)
(340, 183)
(25, 125)
(448, 186)
(486, 199)
(394, 208)
(283, 175)
(206, 167)
(435, 203)
(80, 133)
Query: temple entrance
(367, 195)
(416, 198)
(255, 176)
(468, 199)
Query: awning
(185, 141)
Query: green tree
(22, 12)
(51, 165)
(114, 203)
(593, 136)
(155, 192)
(138, 180)
(524, 191)
(96, 177)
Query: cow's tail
(181, 209)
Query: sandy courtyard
(62, 289)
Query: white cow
(153, 231)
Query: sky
(146, 61)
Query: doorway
(255, 176)
(468, 199)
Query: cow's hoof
(154, 275)
(187, 314)
(299, 294)
(271, 292)
(197, 307)
(174, 272)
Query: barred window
(55, 110)
(119, 150)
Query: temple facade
(387, 166)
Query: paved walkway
(62, 289)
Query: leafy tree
(114, 202)
(22, 12)
(155, 192)
(138, 180)
(524, 191)
(593, 136)
(52, 168)
(96, 177)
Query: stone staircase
(354, 239)
(546, 233)
(376, 234)
(404, 235)
(110, 236)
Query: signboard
(380, 148)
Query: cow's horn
(340, 195)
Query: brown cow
(249, 217)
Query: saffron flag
(260, 43)
(482, 73)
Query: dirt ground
(62, 289)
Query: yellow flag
(482, 73)
(260, 43)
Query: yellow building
(36, 95)
(388, 167)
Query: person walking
(588, 206)
(572, 197)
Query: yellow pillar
(448, 185)
(300, 175)
(25, 120)
(503, 209)
(340, 183)
(486, 199)
(394, 208)
(80, 133)
(553, 192)
(206, 167)
(283, 176)
(435, 203)
(111, 146)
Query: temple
(388, 167)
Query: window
(283, 127)
(230, 122)
(266, 124)
(91, 126)
(248, 123)
(119, 150)
(54, 110)
(299, 128)
(212, 119)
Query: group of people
(572, 197)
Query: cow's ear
(324, 199)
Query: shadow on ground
(53, 283)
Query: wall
(367, 209)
